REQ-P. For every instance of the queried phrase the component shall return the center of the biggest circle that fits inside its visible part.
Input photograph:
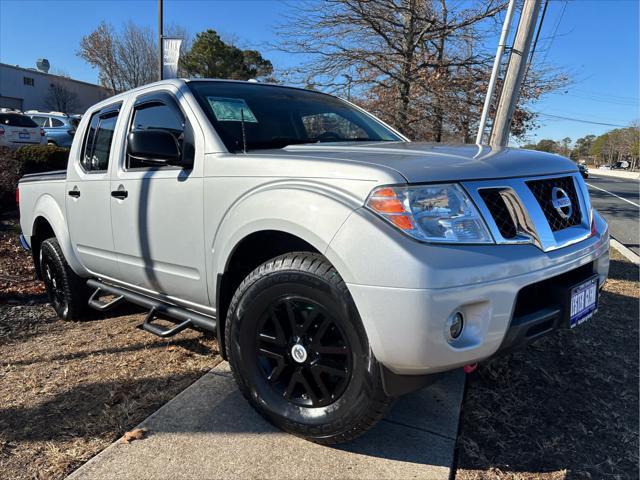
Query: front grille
(542, 190)
(499, 211)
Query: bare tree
(99, 50)
(136, 53)
(60, 98)
(127, 58)
(620, 144)
(419, 64)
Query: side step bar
(94, 300)
(188, 318)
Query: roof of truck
(181, 82)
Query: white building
(31, 89)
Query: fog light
(455, 324)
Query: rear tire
(67, 291)
(299, 352)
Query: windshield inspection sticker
(228, 110)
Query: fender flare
(307, 209)
(47, 208)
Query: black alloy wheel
(303, 352)
(68, 293)
(299, 351)
(54, 283)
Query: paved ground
(209, 431)
(618, 200)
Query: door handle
(74, 193)
(119, 194)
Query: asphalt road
(618, 200)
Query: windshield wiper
(282, 142)
(276, 142)
(357, 139)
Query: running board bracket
(159, 330)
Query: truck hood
(436, 162)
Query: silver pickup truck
(339, 264)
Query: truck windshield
(275, 117)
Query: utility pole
(160, 35)
(515, 73)
(495, 71)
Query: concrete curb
(624, 251)
(210, 431)
(615, 174)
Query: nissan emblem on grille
(561, 202)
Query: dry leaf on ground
(135, 434)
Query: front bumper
(406, 326)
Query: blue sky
(596, 41)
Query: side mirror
(154, 146)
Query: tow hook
(472, 367)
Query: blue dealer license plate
(583, 302)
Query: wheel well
(251, 252)
(41, 231)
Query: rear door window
(57, 123)
(98, 140)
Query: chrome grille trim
(527, 214)
(542, 190)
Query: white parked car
(340, 264)
(17, 130)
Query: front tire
(67, 291)
(299, 352)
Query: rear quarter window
(16, 120)
(41, 121)
(97, 142)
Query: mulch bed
(567, 406)
(69, 389)
(17, 284)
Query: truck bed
(40, 192)
(44, 176)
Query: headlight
(431, 213)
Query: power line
(606, 95)
(535, 42)
(555, 31)
(602, 100)
(571, 119)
